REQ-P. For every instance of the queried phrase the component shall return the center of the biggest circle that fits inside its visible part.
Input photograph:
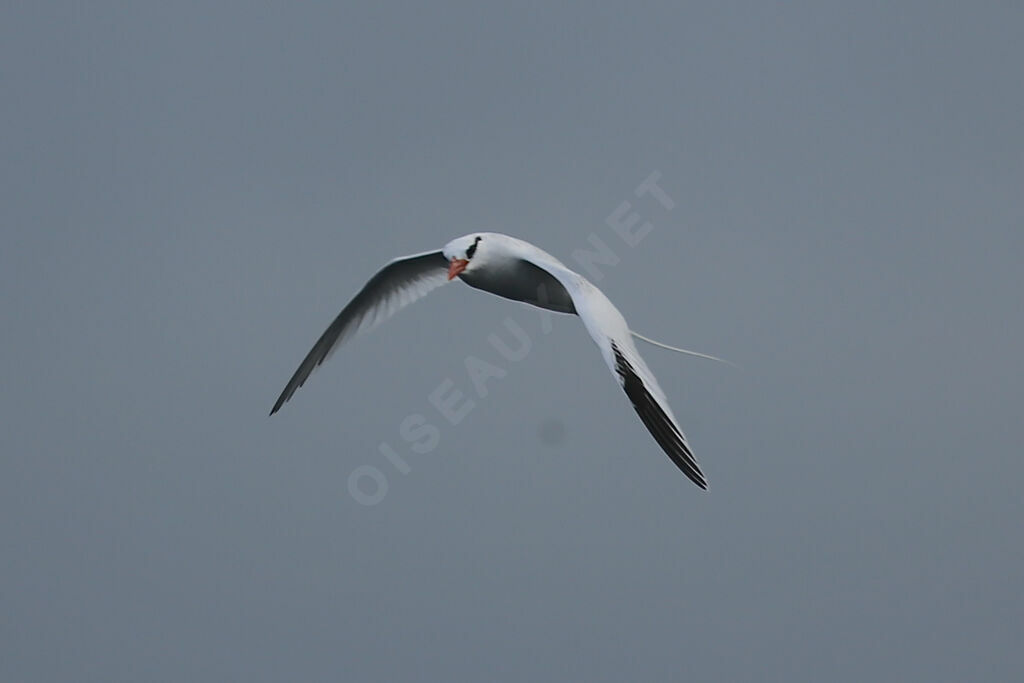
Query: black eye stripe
(472, 249)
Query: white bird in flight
(513, 269)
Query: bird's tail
(678, 350)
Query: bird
(514, 269)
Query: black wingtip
(658, 423)
(293, 384)
(281, 400)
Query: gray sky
(192, 190)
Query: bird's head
(461, 253)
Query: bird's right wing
(394, 287)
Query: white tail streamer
(678, 350)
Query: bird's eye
(472, 249)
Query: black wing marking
(521, 280)
(657, 422)
(396, 285)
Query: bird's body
(517, 270)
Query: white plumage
(517, 270)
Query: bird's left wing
(394, 287)
(612, 335)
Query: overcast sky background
(192, 190)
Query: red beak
(457, 266)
